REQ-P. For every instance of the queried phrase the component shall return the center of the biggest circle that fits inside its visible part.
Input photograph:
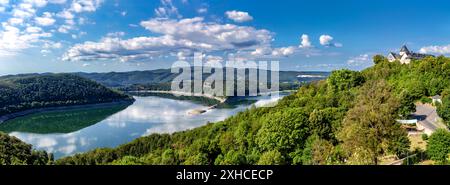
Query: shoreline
(7, 117)
(221, 100)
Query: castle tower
(404, 50)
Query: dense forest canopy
(438, 148)
(15, 152)
(347, 119)
(22, 92)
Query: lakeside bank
(7, 117)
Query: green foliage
(407, 104)
(370, 126)
(272, 157)
(231, 158)
(15, 152)
(319, 151)
(325, 122)
(443, 109)
(398, 142)
(25, 92)
(283, 131)
(128, 160)
(377, 59)
(425, 100)
(415, 157)
(420, 78)
(438, 147)
(424, 137)
(342, 80)
(168, 157)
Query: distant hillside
(23, 92)
(122, 79)
(164, 76)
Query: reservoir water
(68, 132)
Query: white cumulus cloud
(15, 21)
(191, 35)
(24, 26)
(202, 10)
(66, 14)
(33, 29)
(238, 16)
(4, 2)
(57, 1)
(45, 20)
(23, 10)
(262, 51)
(37, 3)
(167, 9)
(360, 62)
(443, 50)
(283, 51)
(85, 5)
(13, 40)
(305, 43)
(327, 40)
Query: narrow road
(428, 117)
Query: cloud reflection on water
(147, 115)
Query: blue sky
(126, 35)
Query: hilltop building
(405, 55)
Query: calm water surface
(145, 116)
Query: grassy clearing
(417, 142)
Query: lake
(68, 132)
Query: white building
(405, 55)
(436, 99)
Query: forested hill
(348, 118)
(23, 92)
(164, 76)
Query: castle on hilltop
(405, 55)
